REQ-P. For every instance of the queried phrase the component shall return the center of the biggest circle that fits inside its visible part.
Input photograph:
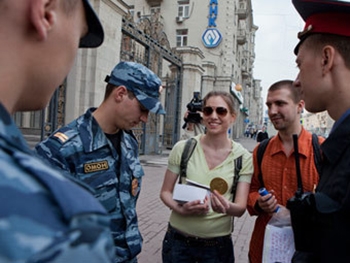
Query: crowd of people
(74, 198)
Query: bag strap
(315, 145)
(300, 189)
(238, 167)
(260, 154)
(186, 155)
(317, 152)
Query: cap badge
(305, 32)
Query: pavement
(154, 215)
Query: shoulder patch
(61, 136)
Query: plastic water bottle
(262, 191)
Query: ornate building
(215, 40)
(319, 123)
(193, 45)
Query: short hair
(227, 97)
(287, 84)
(340, 43)
(109, 89)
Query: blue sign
(211, 37)
(213, 13)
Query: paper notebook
(185, 193)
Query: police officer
(99, 149)
(323, 58)
(44, 217)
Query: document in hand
(185, 193)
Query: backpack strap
(260, 154)
(186, 155)
(317, 153)
(238, 167)
(315, 145)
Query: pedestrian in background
(201, 232)
(45, 217)
(278, 168)
(262, 134)
(323, 59)
(100, 149)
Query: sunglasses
(221, 111)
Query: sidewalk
(154, 215)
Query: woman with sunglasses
(200, 230)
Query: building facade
(216, 42)
(193, 45)
(320, 123)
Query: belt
(197, 241)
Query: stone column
(192, 73)
(208, 77)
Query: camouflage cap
(141, 81)
(95, 34)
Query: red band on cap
(331, 23)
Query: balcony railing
(154, 2)
(241, 37)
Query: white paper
(278, 244)
(185, 193)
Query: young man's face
(131, 113)
(310, 79)
(283, 112)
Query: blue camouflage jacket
(82, 149)
(44, 216)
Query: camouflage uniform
(44, 217)
(82, 149)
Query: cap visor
(158, 109)
(95, 35)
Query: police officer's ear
(328, 56)
(42, 15)
(119, 93)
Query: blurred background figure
(262, 134)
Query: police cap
(141, 81)
(95, 34)
(323, 16)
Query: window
(181, 37)
(132, 11)
(183, 9)
(155, 9)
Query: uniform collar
(90, 132)
(10, 132)
(338, 141)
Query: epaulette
(130, 132)
(64, 134)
